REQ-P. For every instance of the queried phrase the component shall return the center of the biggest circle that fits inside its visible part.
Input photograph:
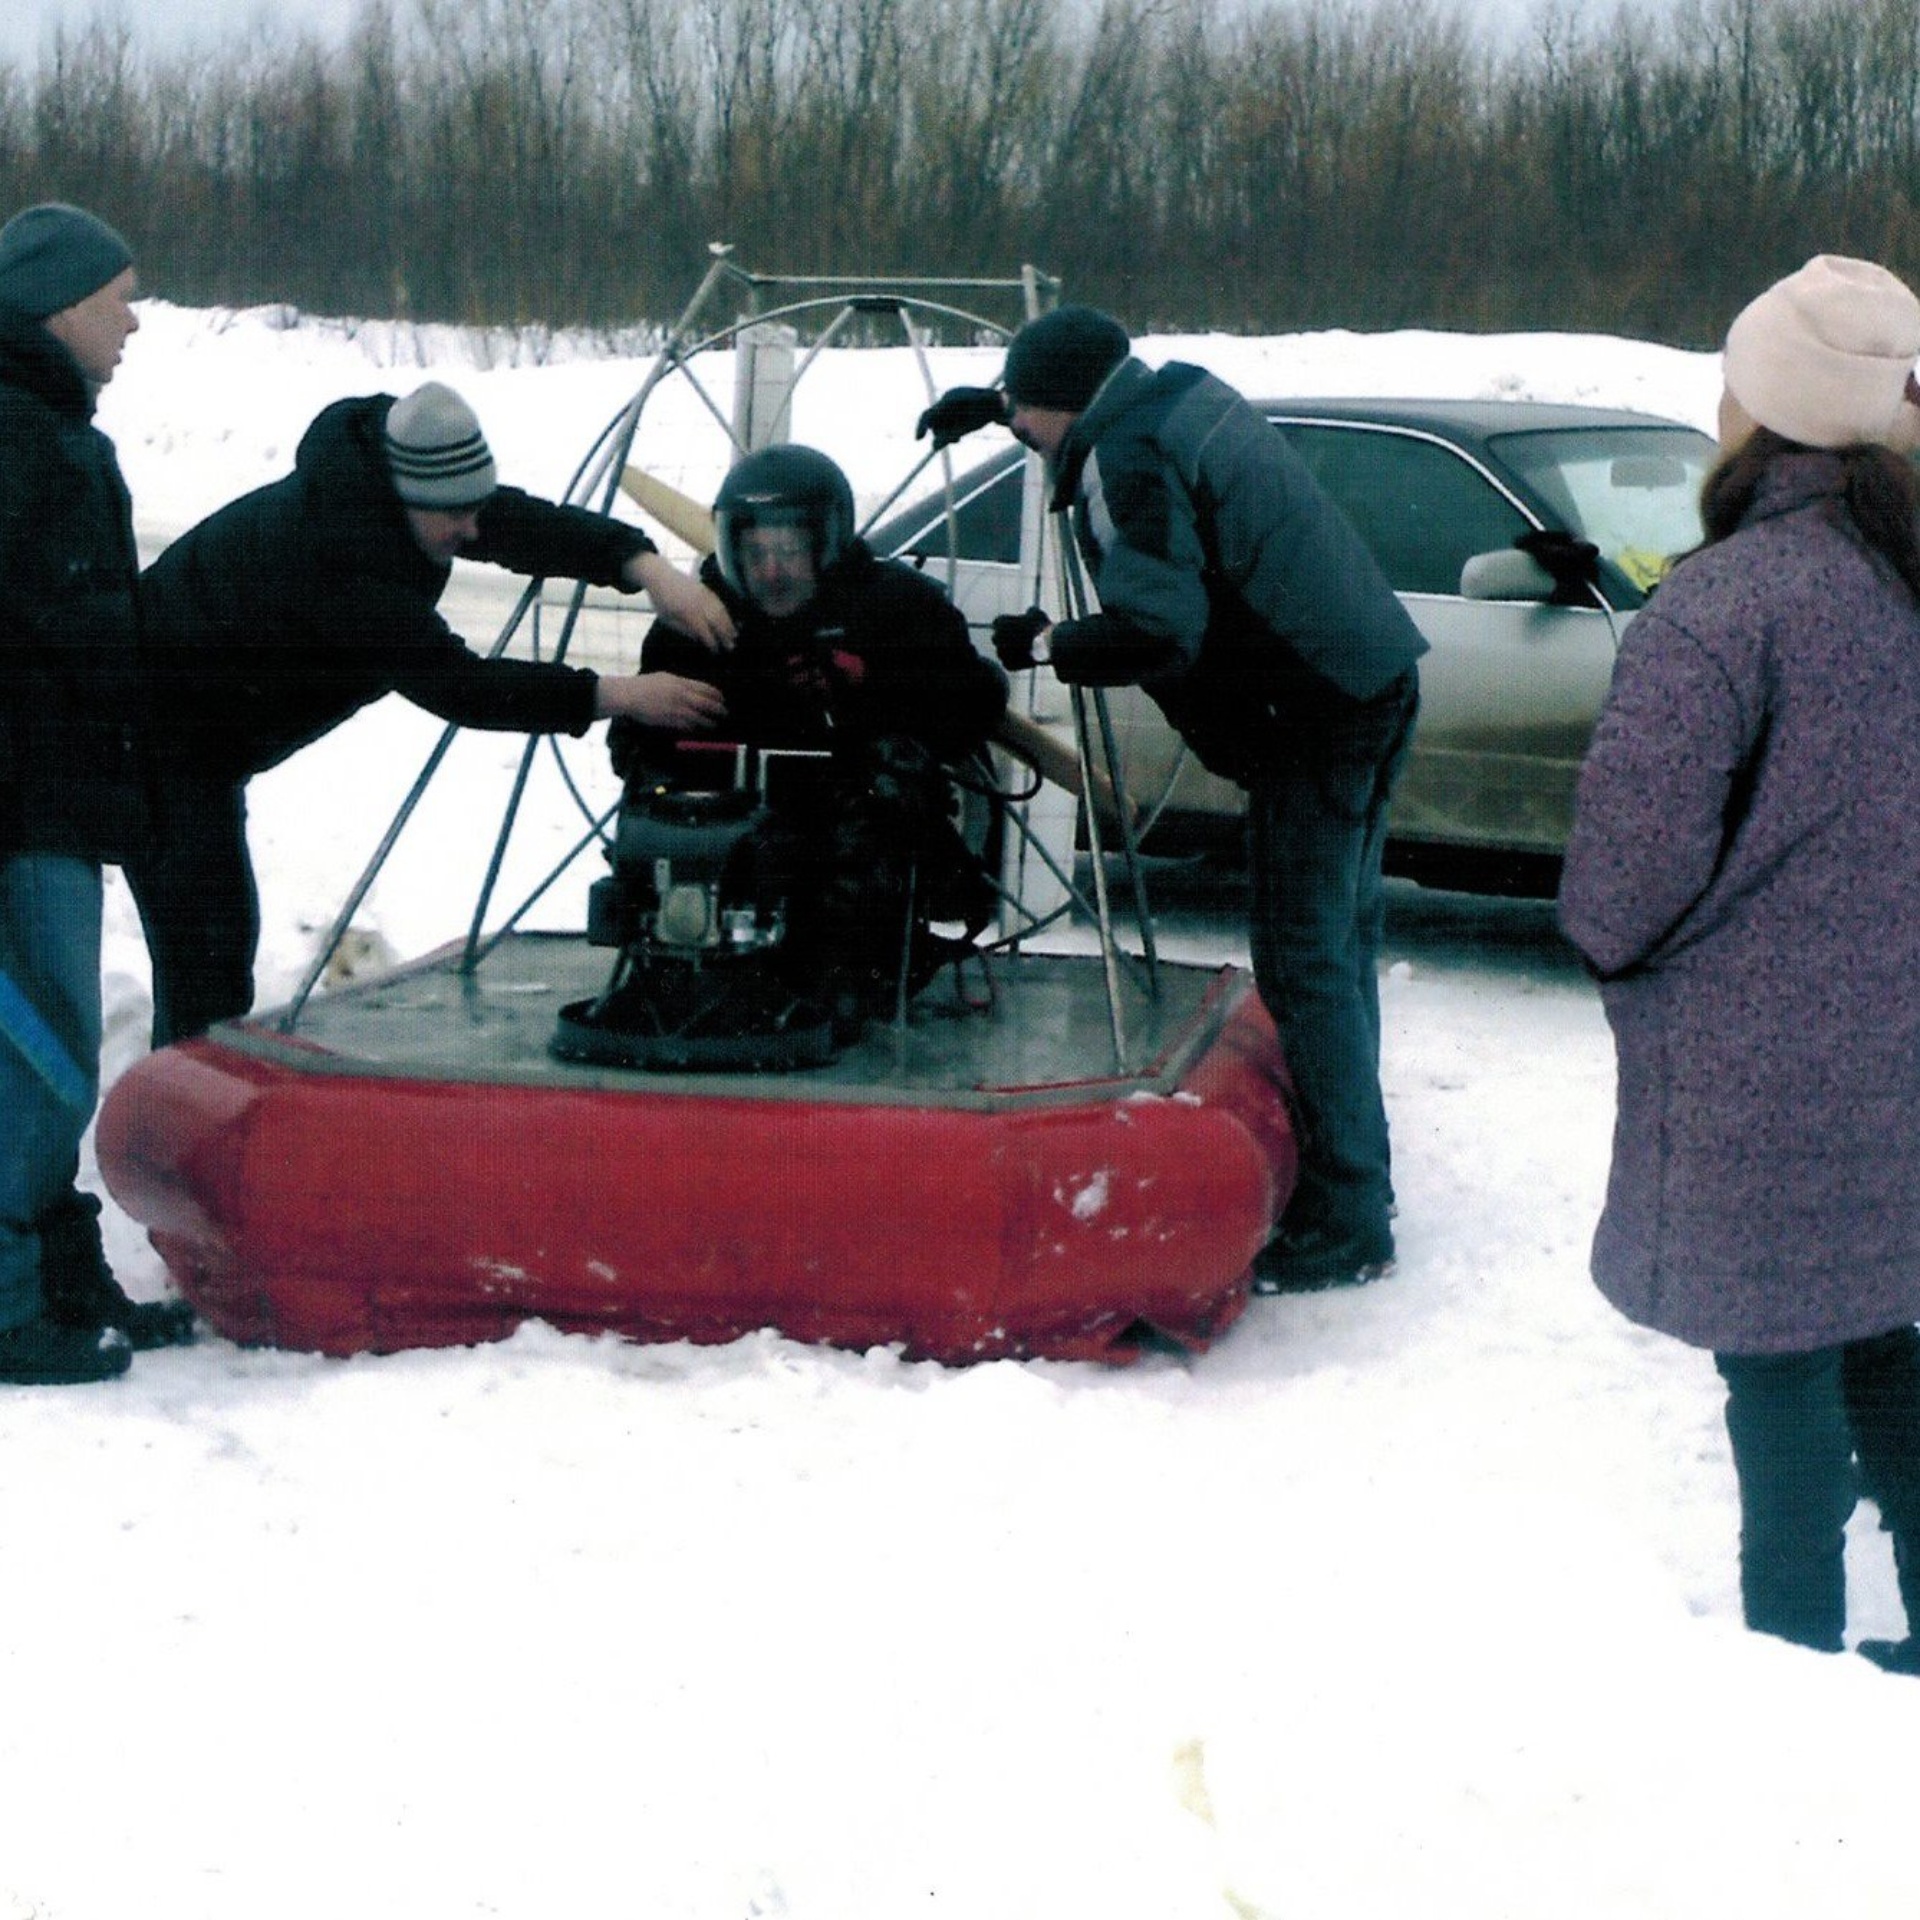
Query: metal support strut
(1074, 597)
(600, 477)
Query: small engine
(697, 905)
(687, 877)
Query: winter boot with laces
(82, 1293)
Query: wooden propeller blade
(680, 513)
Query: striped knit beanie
(436, 451)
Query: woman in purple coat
(1744, 878)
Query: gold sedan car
(1471, 508)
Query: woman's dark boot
(1882, 1379)
(1900, 1656)
(81, 1291)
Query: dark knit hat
(436, 451)
(53, 256)
(1061, 359)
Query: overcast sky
(26, 25)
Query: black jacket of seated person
(878, 650)
(878, 669)
(282, 615)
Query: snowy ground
(1415, 1600)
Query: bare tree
(1247, 163)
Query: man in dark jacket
(73, 786)
(288, 610)
(865, 660)
(1236, 593)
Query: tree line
(1249, 165)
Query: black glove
(1101, 650)
(1573, 562)
(1014, 635)
(961, 411)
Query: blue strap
(22, 1024)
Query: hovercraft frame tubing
(598, 480)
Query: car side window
(986, 524)
(1421, 508)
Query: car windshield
(1633, 491)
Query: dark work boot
(81, 1291)
(1310, 1259)
(45, 1354)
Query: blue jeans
(1316, 828)
(49, 952)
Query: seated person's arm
(923, 676)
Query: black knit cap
(52, 256)
(1061, 359)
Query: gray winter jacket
(1231, 587)
(1744, 875)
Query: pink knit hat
(1824, 356)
